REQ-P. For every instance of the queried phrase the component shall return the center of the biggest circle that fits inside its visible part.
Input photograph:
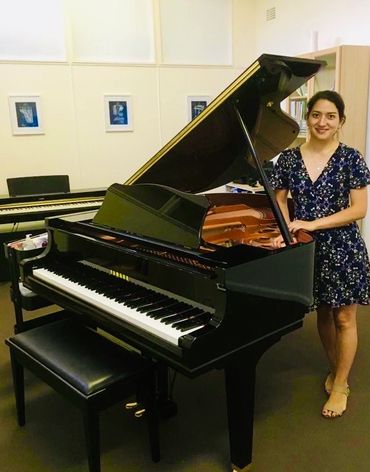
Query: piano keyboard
(156, 313)
(45, 207)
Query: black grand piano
(190, 278)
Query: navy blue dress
(342, 270)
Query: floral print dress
(342, 271)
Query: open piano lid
(210, 151)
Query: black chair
(88, 369)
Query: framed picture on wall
(25, 114)
(118, 113)
(196, 104)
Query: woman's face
(323, 120)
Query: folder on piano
(187, 277)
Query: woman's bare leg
(346, 346)
(327, 333)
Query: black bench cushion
(84, 358)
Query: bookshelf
(298, 108)
(347, 72)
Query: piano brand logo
(120, 275)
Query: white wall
(290, 33)
(72, 87)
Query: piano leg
(240, 386)
(240, 380)
(166, 406)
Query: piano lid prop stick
(270, 193)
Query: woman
(328, 184)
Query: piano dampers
(37, 185)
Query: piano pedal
(139, 410)
(139, 413)
(131, 405)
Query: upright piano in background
(38, 206)
(187, 278)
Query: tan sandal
(330, 412)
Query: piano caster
(235, 468)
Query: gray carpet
(289, 433)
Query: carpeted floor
(289, 433)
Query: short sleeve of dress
(359, 172)
(279, 177)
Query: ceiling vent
(271, 14)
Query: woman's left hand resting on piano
(279, 242)
(356, 211)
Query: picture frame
(118, 112)
(25, 114)
(196, 104)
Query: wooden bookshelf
(347, 72)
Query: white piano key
(118, 309)
(44, 208)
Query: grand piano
(186, 276)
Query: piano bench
(89, 370)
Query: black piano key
(172, 310)
(157, 306)
(146, 302)
(145, 299)
(201, 318)
(109, 291)
(114, 294)
(136, 295)
(180, 315)
(161, 313)
(133, 294)
(192, 324)
(162, 309)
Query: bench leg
(92, 438)
(18, 382)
